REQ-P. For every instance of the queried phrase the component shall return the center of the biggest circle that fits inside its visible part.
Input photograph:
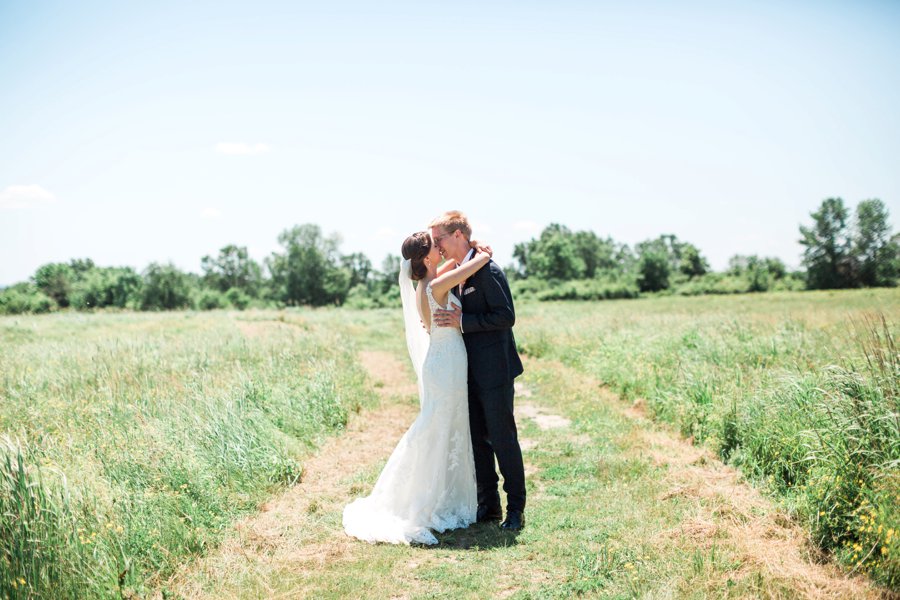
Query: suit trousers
(494, 434)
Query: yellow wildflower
(884, 550)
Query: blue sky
(131, 134)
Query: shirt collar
(468, 256)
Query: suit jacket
(487, 321)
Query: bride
(429, 480)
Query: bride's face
(434, 257)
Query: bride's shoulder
(425, 291)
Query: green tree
(691, 262)
(872, 248)
(598, 255)
(380, 288)
(679, 257)
(390, 273)
(666, 245)
(739, 265)
(826, 253)
(232, 268)
(165, 287)
(55, 280)
(81, 266)
(555, 255)
(111, 286)
(653, 271)
(757, 275)
(358, 266)
(309, 271)
(775, 267)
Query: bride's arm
(442, 284)
(447, 265)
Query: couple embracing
(441, 475)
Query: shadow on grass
(480, 536)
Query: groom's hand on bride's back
(448, 318)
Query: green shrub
(165, 288)
(372, 295)
(237, 298)
(210, 300)
(25, 298)
(106, 287)
(588, 289)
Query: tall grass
(797, 389)
(133, 441)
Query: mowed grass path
(619, 506)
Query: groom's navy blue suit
(487, 320)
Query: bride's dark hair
(415, 248)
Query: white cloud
(211, 213)
(25, 196)
(240, 148)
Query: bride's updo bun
(415, 248)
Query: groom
(486, 322)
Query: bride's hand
(479, 247)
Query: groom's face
(448, 243)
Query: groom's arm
(500, 313)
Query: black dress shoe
(515, 520)
(487, 513)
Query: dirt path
(286, 531)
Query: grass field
(132, 442)
(799, 390)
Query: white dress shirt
(462, 283)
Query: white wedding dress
(429, 480)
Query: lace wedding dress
(429, 480)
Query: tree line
(840, 250)
(309, 270)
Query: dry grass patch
(728, 512)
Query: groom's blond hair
(453, 220)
